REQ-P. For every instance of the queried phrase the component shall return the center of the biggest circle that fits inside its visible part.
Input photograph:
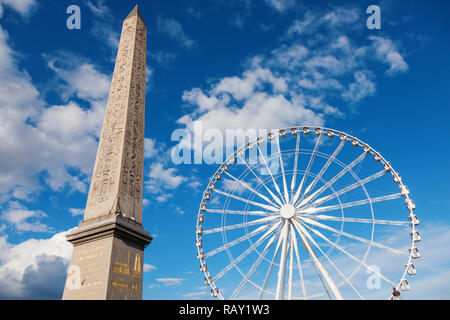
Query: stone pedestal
(109, 253)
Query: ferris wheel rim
(323, 130)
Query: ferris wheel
(306, 213)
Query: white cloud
(342, 16)
(149, 148)
(149, 267)
(22, 194)
(362, 86)
(175, 31)
(387, 52)
(102, 26)
(261, 111)
(161, 181)
(165, 178)
(50, 139)
(67, 121)
(163, 197)
(195, 12)
(320, 66)
(177, 209)
(333, 21)
(299, 27)
(162, 57)
(290, 57)
(76, 212)
(237, 21)
(234, 186)
(281, 5)
(100, 9)
(24, 7)
(433, 277)
(197, 294)
(257, 99)
(35, 268)
(244, 87)
(170, 281)
(198, 97)
(83, 80)
(69, 134)
(431, 287)
(194, 184)
(23, 219)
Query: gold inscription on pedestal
(91, 249)
(83, 295)
(119, 284)
(100, 274)
(91, 256)
(92, 269)
(137, 265)
(89, 265)
(134, 286)
(121, 268)
(95, 283)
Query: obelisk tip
(135, 12)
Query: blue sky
(305, 63)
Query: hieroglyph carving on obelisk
(117, 181)
(107, 258)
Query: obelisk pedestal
(107, 259)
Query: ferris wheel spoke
(308, 168)
(308, 235)
(285, 189)
(269, 271)
(254, 266)
(277, 200)
(314, 210)
(284, 236)
(332, 181)
(240, 225)
(270, 172)
(324, 168)
(237, 240)
(294, 174)
(348, 235)
(291, 267)
(321, 271)
(359, 220)
(347, 189)
(338, 247)
(247, 186)
(261, 205)
(240, 212)
(246, 252)
(297, 255)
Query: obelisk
(107, 259)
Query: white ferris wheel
(321, 216)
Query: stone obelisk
(107, 259)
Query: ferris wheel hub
(287, 211)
